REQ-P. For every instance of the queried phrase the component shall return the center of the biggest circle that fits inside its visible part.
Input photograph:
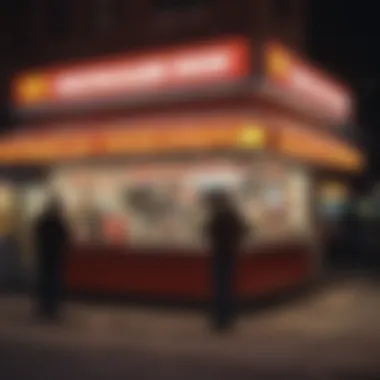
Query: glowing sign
(180, 68)
(253, 136)
(33, 88)
(305, 84)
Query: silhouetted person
(225, 231)
(52, 237)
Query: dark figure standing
(225, 231)
(52, 238)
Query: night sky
(343, 37)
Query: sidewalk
(336, 330)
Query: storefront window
(333, 201)
(33, 197)
(7, 209)
(163, 205)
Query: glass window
(333, 200)
(7, 209)
(162, 205)
(33, 196)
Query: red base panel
(184, 275)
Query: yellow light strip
(319, 149)
(136, 141)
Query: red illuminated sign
(181, 68)
(304, 85)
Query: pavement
(334, 333)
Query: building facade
(134, 144)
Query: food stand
(133, 144)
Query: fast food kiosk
(133, 144)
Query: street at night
(333, 333)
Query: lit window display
(333, 201)
(7, 209)
(162, 204)
(34, 196)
